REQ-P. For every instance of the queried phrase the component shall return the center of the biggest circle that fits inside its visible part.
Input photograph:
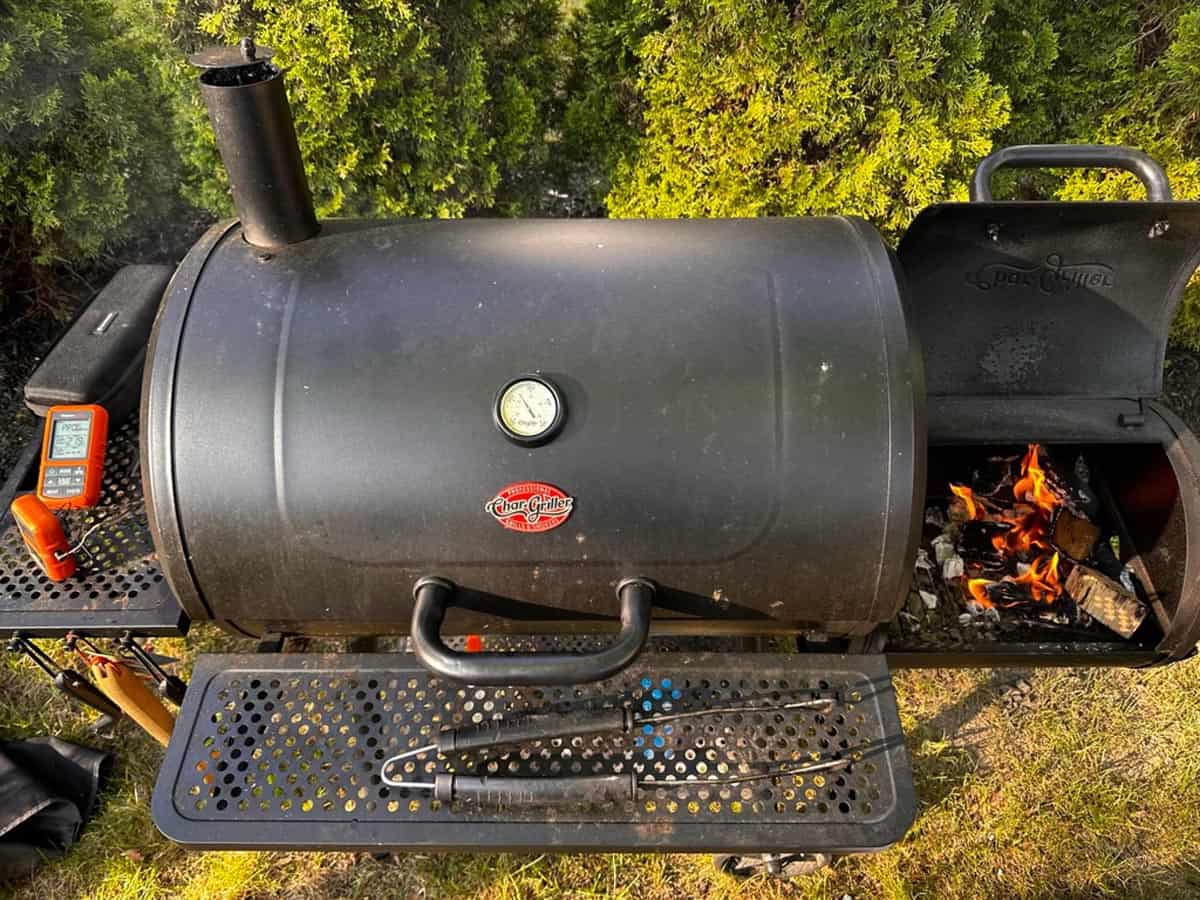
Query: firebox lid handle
(1071, 156)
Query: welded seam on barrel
(169, 469)
(890, 416)
(285, 334)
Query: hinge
(1133, 419)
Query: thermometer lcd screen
(70, 439)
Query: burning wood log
(1038, 583)
(1105, 600)
(1042, 484)
(1072, 536)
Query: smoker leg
(777, 865)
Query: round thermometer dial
(529, 410)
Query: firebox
(1043, 328)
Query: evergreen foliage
(85, 150)
(873, 107)
(402, 108)
(619, 107)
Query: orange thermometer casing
(44, 536)
(72, 456)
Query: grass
(1091, 788)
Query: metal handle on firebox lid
(435, 595)
(1071, 156)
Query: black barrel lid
(1053, 299)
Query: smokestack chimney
(256, 137)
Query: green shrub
(85, 153)
(1117, 73)
(402, 108)
(755, 107)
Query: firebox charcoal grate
(289, 752)
(118, 574)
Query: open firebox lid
(1066, 300)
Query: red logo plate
(530, 506)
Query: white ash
(943, 548)
(923, 560)
(952, 568)
(935, 517)
(930, 598)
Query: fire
(968, 497)
(1027, 535)
(977, 587)
(1042, 578)
(1031, 486)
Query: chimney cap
(245, 53)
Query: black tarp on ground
(48, 791)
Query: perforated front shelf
(117, 585)
(286, 750)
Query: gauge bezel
(544, 436)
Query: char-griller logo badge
(1050, 277)
(530, 506)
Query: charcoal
(1072, 536)
(1076, 496)
(1107, 601)
(1009, 593)
(1105, 558)
(975, 543)
(997, 483)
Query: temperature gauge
(529, 410)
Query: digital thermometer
(72, 456)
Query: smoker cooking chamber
(743, 425)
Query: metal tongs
(580, 789)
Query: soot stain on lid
(1013, 358)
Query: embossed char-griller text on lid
(1068, 300)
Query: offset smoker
(712, 431)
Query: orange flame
(1031, 486)
(977, 587)
(1029, 532)
(968, 497)
(1041, 577)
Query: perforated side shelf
(117, 586)
(284, 750)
